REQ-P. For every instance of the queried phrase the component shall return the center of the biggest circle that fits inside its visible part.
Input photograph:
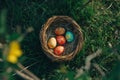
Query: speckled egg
(61, 40)
(69, 36)
(59, 31)
(59, 50)
(52, 42)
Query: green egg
(69, 36)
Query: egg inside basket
(70, 48)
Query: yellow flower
(12, 59)
(14, 52)
(14, 45)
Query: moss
(98, 23)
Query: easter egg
(69, 36)
(59, 31)
(52, 42)
(61, 40)
(59, 50)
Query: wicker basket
(47, 31)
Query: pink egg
(59, 50)
(61, 40)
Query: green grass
(99, 20)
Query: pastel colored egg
(59, 50)
(52, 42)
(61, 40)
(69, 36)
(59, 31)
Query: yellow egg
(52, 42)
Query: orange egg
(61, 40)
(59, 31)
(59, 50)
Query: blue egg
(69, 36)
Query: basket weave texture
(47, 31)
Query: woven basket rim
(43, 36)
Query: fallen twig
(27, 71)
(99, 69)
(109, 5)
(24, 75)
(1, 45)
(1, 60)
(28, 30)
(90, 57)
(87, 63)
